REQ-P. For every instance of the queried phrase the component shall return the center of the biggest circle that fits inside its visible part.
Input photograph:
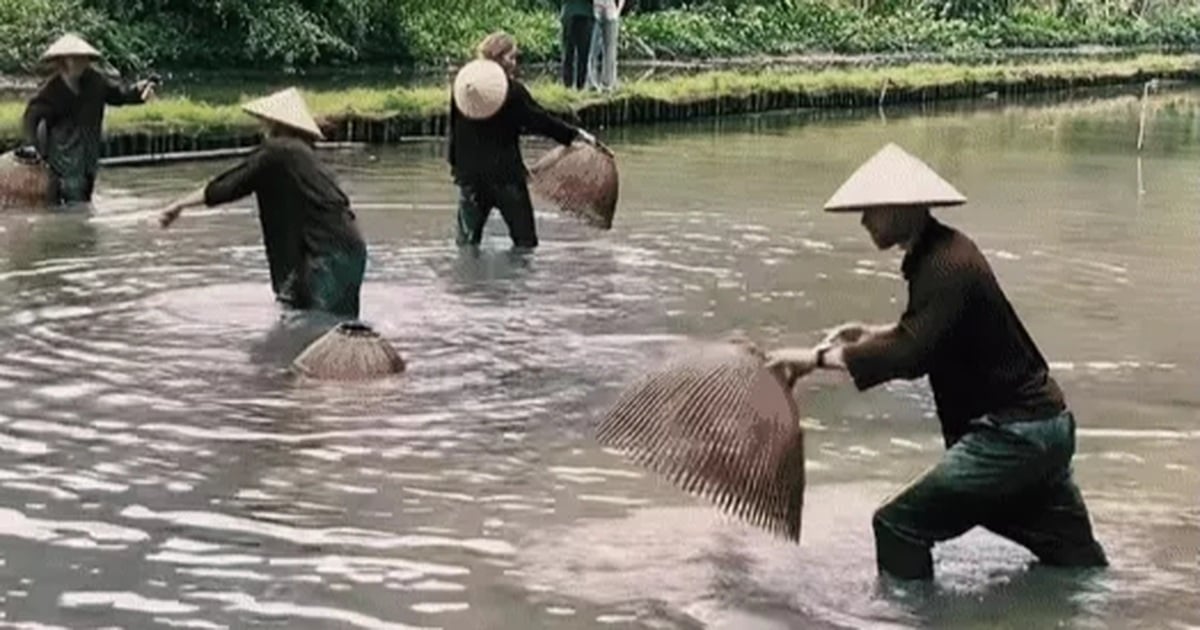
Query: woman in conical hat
(489, 111)
(316, 254)
(69, 106)
(1008, 431)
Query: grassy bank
(712, 93)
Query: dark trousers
(576, 48)
(69, 190)
(1013, 479)
(332, 283)
(475, 203)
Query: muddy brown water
(157, 470)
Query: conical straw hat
(893, 177)
(70, 45)
(286, 107)
(480, 88)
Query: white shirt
(606, 9)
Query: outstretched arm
(120, 93)
(191, 200)
(233, 184)
(906, 349)
(533, 118)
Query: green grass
(187, 116)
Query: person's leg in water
(517, 209)
(1054, 523)
(988, 475)
(475, 203)
(335, 281)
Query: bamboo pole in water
(1150, 85)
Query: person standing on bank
(1009, 434)
(69, 107)
(489, 110)
(602, 65)
(316, 254)
(578, 20)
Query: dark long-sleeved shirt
(961, 331)
(74, 120)
(302, 209)
(488, 150)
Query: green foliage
(294, 34)
(28, 26)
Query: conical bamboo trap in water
(351, 351)
(23, 184)
(718, 424)
(580, 180)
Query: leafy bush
(294, 34)
(28, 26)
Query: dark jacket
(961, 331)
(303, 212)
(488, 151)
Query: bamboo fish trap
(580, 180)
(718, 424)
(22, 184)
(351, 351)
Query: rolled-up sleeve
(935, 306)
(238, 181)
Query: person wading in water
(316, 254)
(71, 107)
(489, 110)
(1008, 432)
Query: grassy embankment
(672, 98)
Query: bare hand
(168, 216)
(792, 364)
(146, 87)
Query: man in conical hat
(489, 111)
(316, 254)
(1009, 433)
(69, 106)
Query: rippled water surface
(158, 470)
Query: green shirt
(571, 8)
